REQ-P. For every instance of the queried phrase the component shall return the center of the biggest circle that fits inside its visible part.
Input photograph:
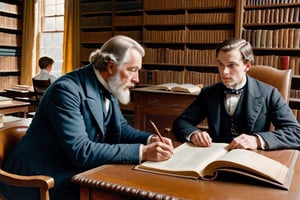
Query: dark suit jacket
(67, 134)
(264, 105)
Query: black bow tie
(233, 91)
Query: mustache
(130, 84)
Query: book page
(188, 160)
(164, 86)
(252, 162)
(190, 88)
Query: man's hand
(157, 150)
(201, 139)
(244, 141)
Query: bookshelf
(10, 42)
(180, 36)
(273, 29)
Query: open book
(189, 161)
(175, 87)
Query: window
(51, 35)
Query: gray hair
(114, 50)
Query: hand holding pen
(157, 131)
(160, 148)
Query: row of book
(103, 36)
(129, 20)
(94, 21)
(269, 2)
(104, 6)
(175, 4)
(9, 63)
(9, 39)
(96, 6)
(178, 56)
(279, 38)
(208, 36)
(9, 8)
(135, 34)
(279, 62)
(10, 23)
(164, 19)
(295, 94)
(8, 81)
(156, 77)
(174, 36)
(193, 18)
(215, 17)
(193, 36)
(164, 55)
(278, 15)
(95, 37)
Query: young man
(79, 125)
(239, 109)
(45, 64)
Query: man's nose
(135, 77)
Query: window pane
(58, 38)
(46, 39)
(50, 11)
(60, 23)
(60, 9)
(49, 2)
(49, 24)
(51, 35)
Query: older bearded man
(79, 125)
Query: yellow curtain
(28, 43)
(71, 42)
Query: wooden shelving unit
(273, 29)
(10, 42)
(180, 36)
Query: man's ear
(247, 66)
(110, 67)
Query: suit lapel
(254, 102)
(93, 99)
(214, 108)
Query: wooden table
(14, 106)
(122, 182)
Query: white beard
(118, 89)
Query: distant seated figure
(45, 64)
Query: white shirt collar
(100, 78)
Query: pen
(157, 131)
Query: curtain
(28, 60)
(71, 43)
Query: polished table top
(124, 180)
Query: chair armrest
(42, 182)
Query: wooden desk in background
(162, 107)
(122, 182)
(13, 106)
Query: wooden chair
(280, 79)
(39, 87)
(8, 138)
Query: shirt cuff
(141, 148)
(188, 137)
(262, 144)
(140, 156)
